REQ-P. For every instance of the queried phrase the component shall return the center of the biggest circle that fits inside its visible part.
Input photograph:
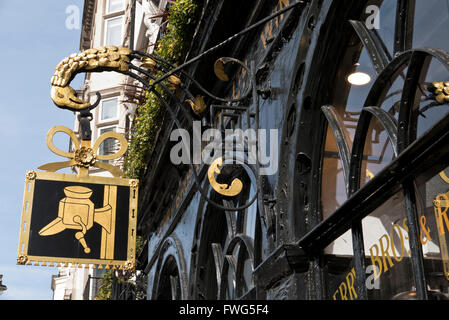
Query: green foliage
(172, 47)
(104, 292)
(107, 278)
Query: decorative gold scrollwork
(104, 58)
(444, 176)
(219, 69)
(85, 157)
(230, 191)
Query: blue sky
(34, 39)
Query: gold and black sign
(80, 220)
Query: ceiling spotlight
(359, 78)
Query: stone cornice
(87, 25)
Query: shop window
(387, 250)
(371, 119)
(433, 204)
(340, 272)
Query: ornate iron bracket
(139, 65)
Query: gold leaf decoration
(219, 70)
(198, 106)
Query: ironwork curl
(112, 58)
(140, 65)
(172, 112)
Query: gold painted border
(22, 255)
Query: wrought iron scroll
(147, 65)
(149, 87)
(374, 45)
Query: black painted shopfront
(357, 208)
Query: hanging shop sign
(79, 218)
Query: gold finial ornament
(173, 82)
(230, 191)
(149, 63)
(198, 106)
(108, 58)
(441, 91)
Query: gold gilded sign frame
(23, 256)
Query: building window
(114, 6)
(108, 146)
(113, 31)
(109, 109)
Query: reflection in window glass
(333, 190)
(431, 17)
(387, 16)
(248, 274)
(341, 277)
(348, 101)
(392, 100)
(109, 145)
(378, 151)
(433, 204)
(250, 216)
(387, 250)
(114, 32)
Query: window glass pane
(387, 250)
(430, 109)
(250, 216)
(340, 273)
(115, 5)
(109, 109)
(333, 190)
(108, 146)
(378, 151)
(114, 31)
(387, 17)
(431, 16)
(433, 203)
(352, 86)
